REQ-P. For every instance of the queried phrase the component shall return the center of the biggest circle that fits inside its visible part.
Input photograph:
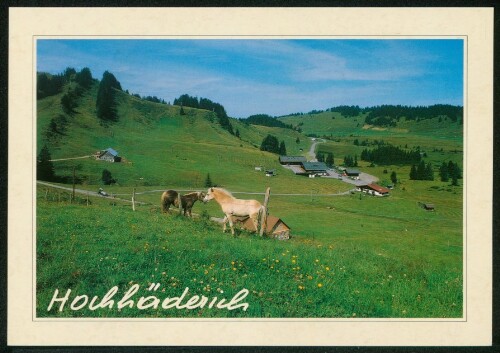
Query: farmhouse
(292, 160)
(315, 168)
(108, 155)
(373, 189)
(275, 227)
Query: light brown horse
(232, 206)
(171, 197)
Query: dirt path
(67, 159)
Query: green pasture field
(350, 255)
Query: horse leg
(224, 221)
(229, 218)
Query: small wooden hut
(275, 227)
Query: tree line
(265, 120)
(186, 100)
(389, 154)
(389, 115)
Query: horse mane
(224, 191)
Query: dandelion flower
(320, 285)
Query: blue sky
(276, 77)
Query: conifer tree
(282, 149)
(394, 177)
(208, 181)
(44, 166)
(106, 103)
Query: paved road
(312, 150)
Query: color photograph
(270, 178)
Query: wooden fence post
(263, 217)
(73, 193)
(133, 199)
(179, 200)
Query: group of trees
(271, 144)
(349, 161)
(106, 98)
(389, 115)
(389, 154)
(422, 171)
(49, 85)
(347, 110)
(186, 100)
(326, 157)
(265, 120)
(449, 171)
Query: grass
(350, 256)
(340, 275)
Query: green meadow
(350, 255)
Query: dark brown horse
(171, 197)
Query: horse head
(209, 195)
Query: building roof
(111, 152)
(351, 171)
(314, 166)
(378, 188)
(271, 223)
(289, 159)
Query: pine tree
(237, 133)
(413, 173)
(394, 177)
(297, 140)
(208, 181)
(329, 159)
(443, 172)
(84, 78)
(105, 103)
(429, 172)
(106, 177)
(44, 166)
(282, 149)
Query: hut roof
(351, 171)
(271, 223)
(111, 151)
(378, 188)
(314, 166)
(289, 159)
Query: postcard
(250, 176)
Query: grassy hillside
(351, 255)
(161, 147)
(335, 125)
